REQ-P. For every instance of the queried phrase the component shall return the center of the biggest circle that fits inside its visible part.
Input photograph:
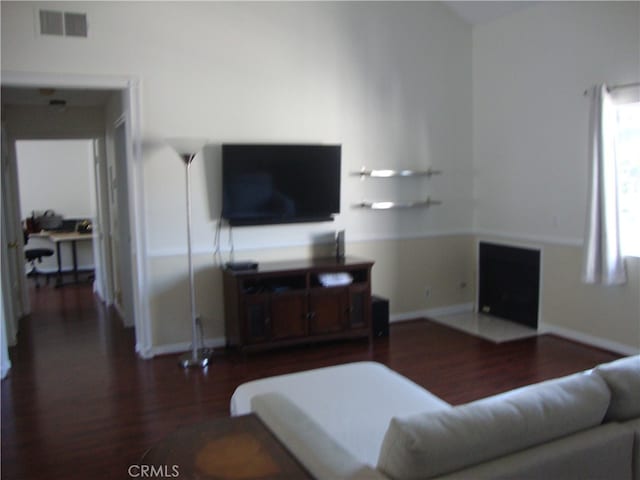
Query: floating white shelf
(364, 172)
(392, 205)
(397, 205)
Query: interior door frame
(100, 244)
(123, 234)
(130, 89)
(15, 299)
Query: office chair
(35, 254)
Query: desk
(234, 448)
(59, 238)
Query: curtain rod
(617, 87)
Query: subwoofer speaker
(380, 316)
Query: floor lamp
(199, 356)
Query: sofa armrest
(319, 453)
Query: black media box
(380, 316)
(241, 266)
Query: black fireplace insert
(509, 283)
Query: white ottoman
(353, 402)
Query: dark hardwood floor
(79, 404)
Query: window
(628, 166)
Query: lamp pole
(195, 359)
(199, 356)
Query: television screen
(268, 184)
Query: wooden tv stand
(284, 303)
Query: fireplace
(509, 283)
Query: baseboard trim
(588, 339)
(433, 312)
(569, 334)
(182, 347)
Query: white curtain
(603, 262)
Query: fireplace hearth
(509, 283)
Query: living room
(498, 107)
(398, 86)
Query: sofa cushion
(623, 379)
(429, 444)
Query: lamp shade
(186, 145)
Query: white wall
(375, 77)
(399, 85)
(368, 76)
(530, 150)
(56, 175)
(530, 70)
(391, 82)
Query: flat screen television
(266, 184)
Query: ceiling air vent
(51, 23)
(75, 24)
(63, 23)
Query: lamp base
(199, 360)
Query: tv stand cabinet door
(288, 316)
(328, 308)
(257, 323)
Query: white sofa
(363, 420)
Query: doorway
(29, 120)
(56, 183)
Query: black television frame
(265, 154)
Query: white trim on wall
(587, 339)
(543, 328)
(217, 342)
(142, 314)
(572, 335)
(527, 238)
(499, 237)
(181, 347)
(200, 250)
(33, 79)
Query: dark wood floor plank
(79, 404)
